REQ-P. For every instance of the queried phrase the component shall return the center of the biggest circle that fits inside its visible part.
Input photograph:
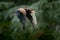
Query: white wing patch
(34, 18)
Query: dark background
(47, 14)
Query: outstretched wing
(31, 16)
(22, 18)
(34, 21)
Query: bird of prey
(23, 13)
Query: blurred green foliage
(20, 2)
(48, 18)
(5, 6)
